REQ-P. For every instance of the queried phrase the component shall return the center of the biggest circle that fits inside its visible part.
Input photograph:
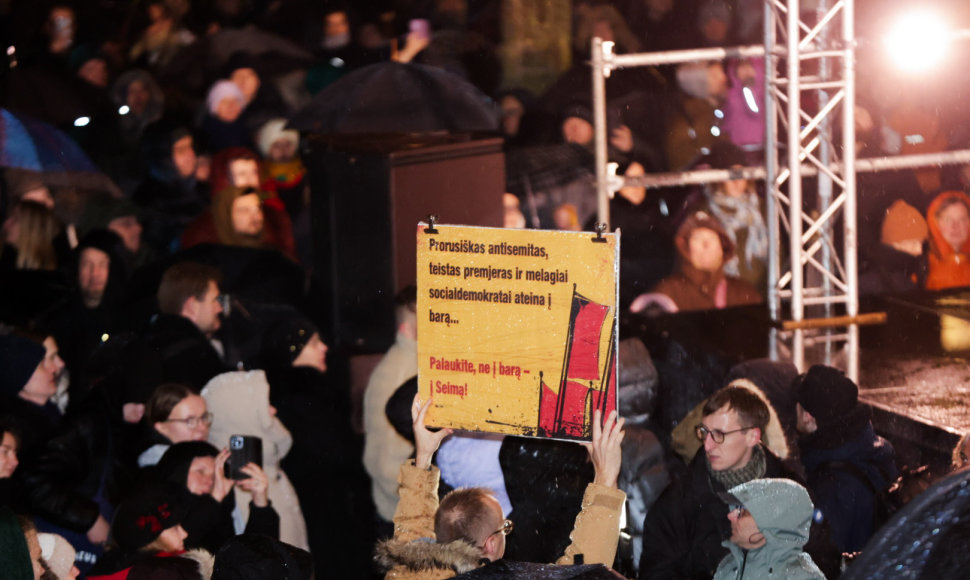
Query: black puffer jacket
(87, 455)
(683, 531)
(173, 350)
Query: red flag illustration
(567, 413)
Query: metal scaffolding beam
(810, 86)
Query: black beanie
(19, 358)
(143, 516)
(827, 394)
(285, 340)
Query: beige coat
(239, 403)
(413, 554)
(384, 448)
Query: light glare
(917, 41)
(82, 121)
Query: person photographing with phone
(240, 403)
(199, 472)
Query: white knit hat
(221, 90)
(58, 553)
(273, 131)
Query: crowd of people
(150, 318)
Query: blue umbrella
(32, 145)
(16, 146)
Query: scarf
(740, 213)
(754, 469)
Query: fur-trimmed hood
(425, 555)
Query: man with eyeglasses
(770, 520)
(684, 529)
(468, 529)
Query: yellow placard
(517, 329)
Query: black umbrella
(391, 97)
(547, 167)
(199, 64)
(930, 531)
(502, 570)
(546, 177)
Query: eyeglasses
(193, 422)
(506, 529)
(716, 434)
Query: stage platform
(913, 369)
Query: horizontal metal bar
(689, 55)
(807, 300)
(867, 165)
(821, 85)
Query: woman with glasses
(175, 414)
(770, 520)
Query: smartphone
(243, 449)
(420, 27)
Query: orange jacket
(947, 268)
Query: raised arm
(418, 481)
(425, 442)
(605, 449)
(597, 528)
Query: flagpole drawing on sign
(517, 329)
(585, 384)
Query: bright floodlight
(917, 41)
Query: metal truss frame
(793, 43)
(800, 58)
(810, 86)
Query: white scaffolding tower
(806, 63)
(800, 58)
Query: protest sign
(517, 329)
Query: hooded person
(170, 196)
(93, 309)
(240, 402)
(238, 218)
(263, 100)
(846, 464)
(948, 218)
(770, 522)
(137, 94)
(196, 468)
(700, 282)
(124, 218)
